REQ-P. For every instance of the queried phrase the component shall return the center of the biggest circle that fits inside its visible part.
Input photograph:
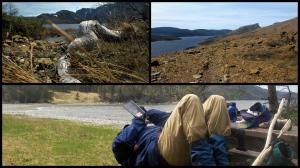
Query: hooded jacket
(136, 145)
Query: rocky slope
(268, 54)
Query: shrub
(16, 25)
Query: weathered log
(32, 44)
(62, 70)
(89, 31)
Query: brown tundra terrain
(268, 54)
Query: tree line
(12, 24)
(120, 93)
(107, 93)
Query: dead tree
(289, 97)
(272, 97)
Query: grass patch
(292, 114)
(30, 141)
(112, 62)
(11, 72)
(75, 97)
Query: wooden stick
(271, 128)
(266, 150)
(285, 128)
(32, 44)
(261, 157)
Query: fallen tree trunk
(90, 32)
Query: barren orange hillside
(268, 54)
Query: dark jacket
(210, 152)
(232, 110)
(137, 145)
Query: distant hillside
(248, 55)
(172, 31)
(245, 29)
(112, 12)
(176, 32)
(243, 92)
(163, 38)
(63, 16)
(116, 11)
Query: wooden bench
(254, 140)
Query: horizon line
(226, 28)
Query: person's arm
(157, 117)
(123, 144)
(219, 148)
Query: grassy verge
(75, 97)
(292, 114)
(29, 141)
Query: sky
(293, 88)
(37, 8)
(220, 15)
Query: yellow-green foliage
(21, 26)
(75, 97)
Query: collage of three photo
(149, 83)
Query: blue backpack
(232, 110)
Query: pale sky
(220, 15)
(293, 88)
(37, 8)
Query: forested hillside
(139, 93)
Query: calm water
(98, 114)
(164, 47)
(64, 26)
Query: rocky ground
(17, 54)
(26, 60)
(267, 54)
